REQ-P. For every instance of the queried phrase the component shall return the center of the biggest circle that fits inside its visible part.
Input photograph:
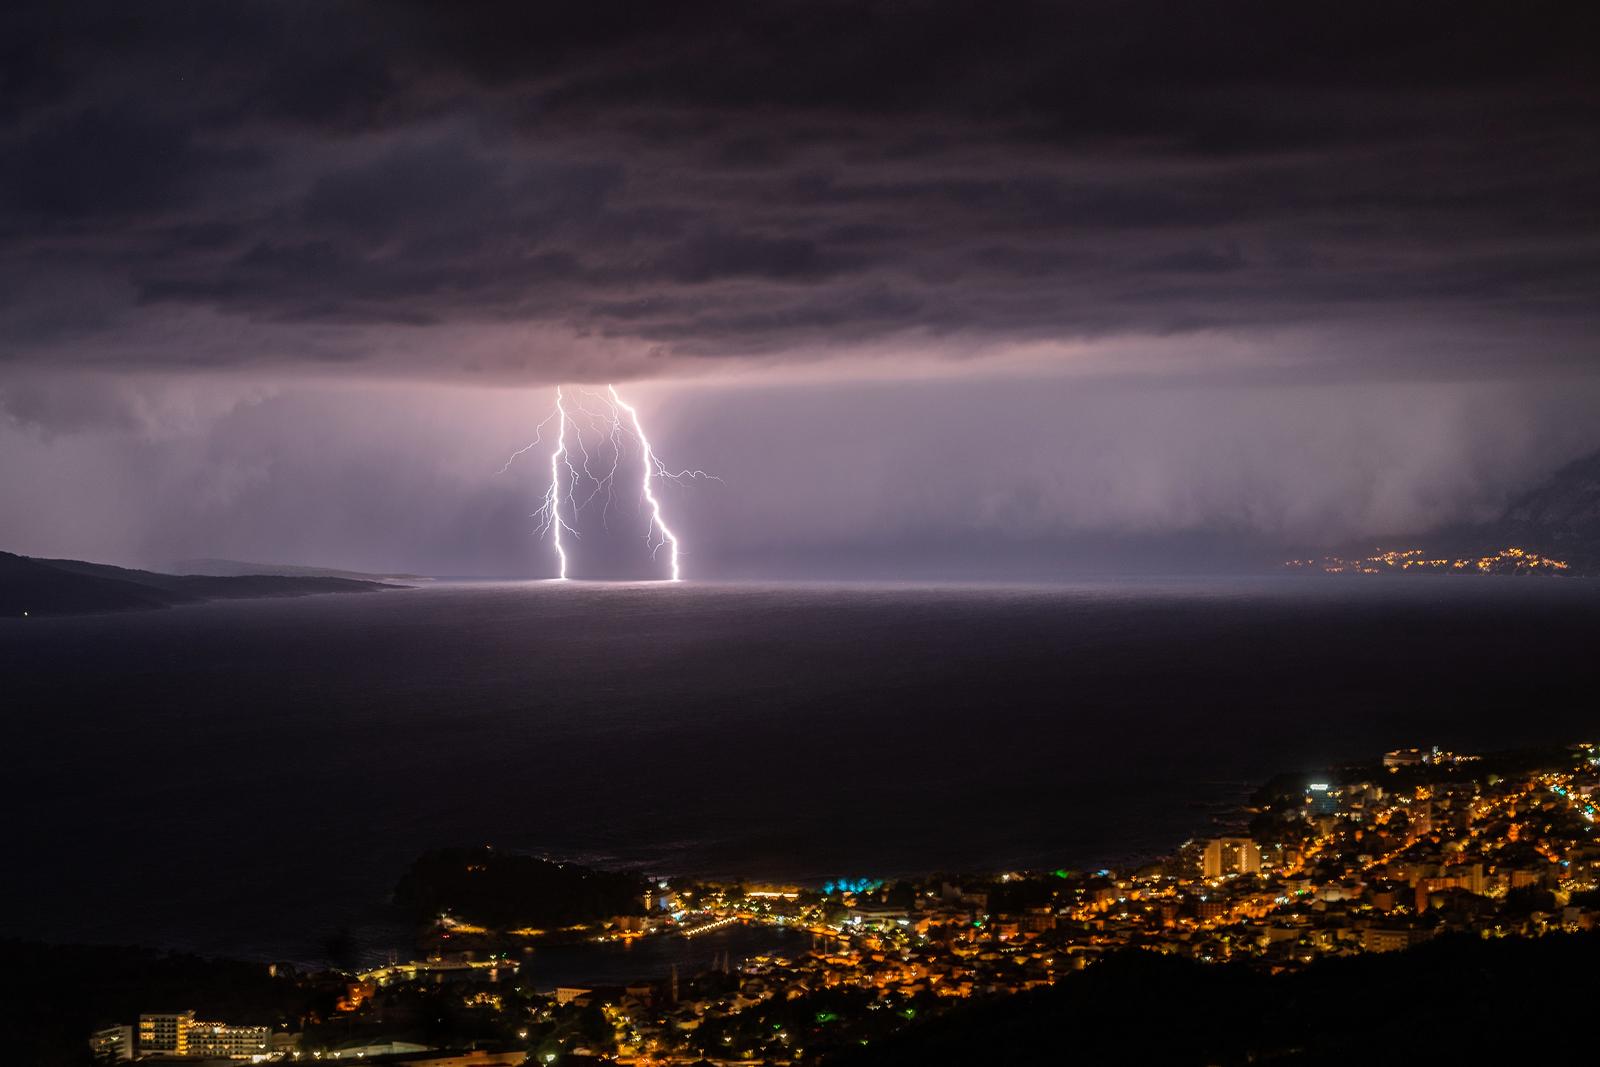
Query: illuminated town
(1389, 561)
(1367, 859)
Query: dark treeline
(1457, 999)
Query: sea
(251, 778)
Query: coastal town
(1370, 858)
(1510, 560)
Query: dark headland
(30, 587)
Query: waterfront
(251, 778)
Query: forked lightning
(602, 414)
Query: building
(114, 1044)
(1380, 939)
(1230, 855)
(1322, 799)
(181, 1034)
(219, 1040)
(165, 1033)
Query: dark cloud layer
(325, 183)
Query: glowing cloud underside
(602, 414)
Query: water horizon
(252, 777)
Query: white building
(114, 1044)
(165, 1033)
(181, 1034)
(234, 1042)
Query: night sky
(921, 281)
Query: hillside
(31, 587)
(502, 890)
(1561, 517)
(1553, 528)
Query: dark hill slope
(69, 587)
(1456, 1000)
(28, 586)
(1560, 517)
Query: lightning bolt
(550, 513)
(668, 538)
(606, 418)
(538, 432)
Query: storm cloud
(1379, 218)
(307, 183)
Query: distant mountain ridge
(1560, 517)
(1551, 528)
(30, 586)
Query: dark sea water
(252, 777)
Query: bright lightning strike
(602, 414)
(551, 511)
(650, 464)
